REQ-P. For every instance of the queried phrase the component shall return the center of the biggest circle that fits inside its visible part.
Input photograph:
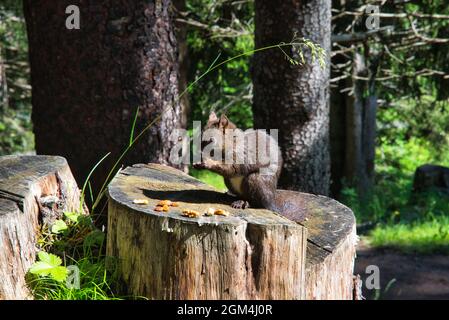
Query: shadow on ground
(417, 276)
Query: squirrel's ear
(224, 121)
(213, 117)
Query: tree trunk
(3, 84)
(24, 181)
(353, 113)
(183, 61)
(88, 83)
(294, 99)
(353, 129)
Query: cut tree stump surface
(23, 181)
(251, 254)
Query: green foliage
(49, 265)
(405, 221)
(58, 227)
(94, 285)
(15, 118)
(229, 89)
(82, 245)
(421, 117)
(421, 236)
(210, 178)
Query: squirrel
(254, 180)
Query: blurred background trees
(15, 90)
(389, 109)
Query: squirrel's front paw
(240, 204)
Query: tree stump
(24, 180)
(250, 254)
(331, 249)
(331, 243)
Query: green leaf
(49, 258)
(95, 237)
(72, 216)
(49, 265)
(59, 273)
(58, 226)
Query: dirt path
(417, 276)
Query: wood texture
(23, 181)
(252, 254)
(88, 83)
(294, 99)
(331, 243)
(331, 250)
(3, 84)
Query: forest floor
(417, 276)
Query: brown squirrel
(254, 180)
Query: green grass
(95, 281)
(77, 243)
(404, 221)
(422, 237)
(210, 178)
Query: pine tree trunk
(88, 83)
(3, 84)
(294, 99)
(183, 61)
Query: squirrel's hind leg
(261, 190)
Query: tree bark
(250, 254)
(294, 99)
(3, 84)
(247, 255)
(183, 61)
(25, 180)
(331, 250)
(88, 83)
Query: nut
(209, 212)
(158, 209)
(164, 203)
(221, 212)
(190, 213)
(165, 208)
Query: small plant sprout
(49, 265)
(298, 45)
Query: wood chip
(140, 201)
